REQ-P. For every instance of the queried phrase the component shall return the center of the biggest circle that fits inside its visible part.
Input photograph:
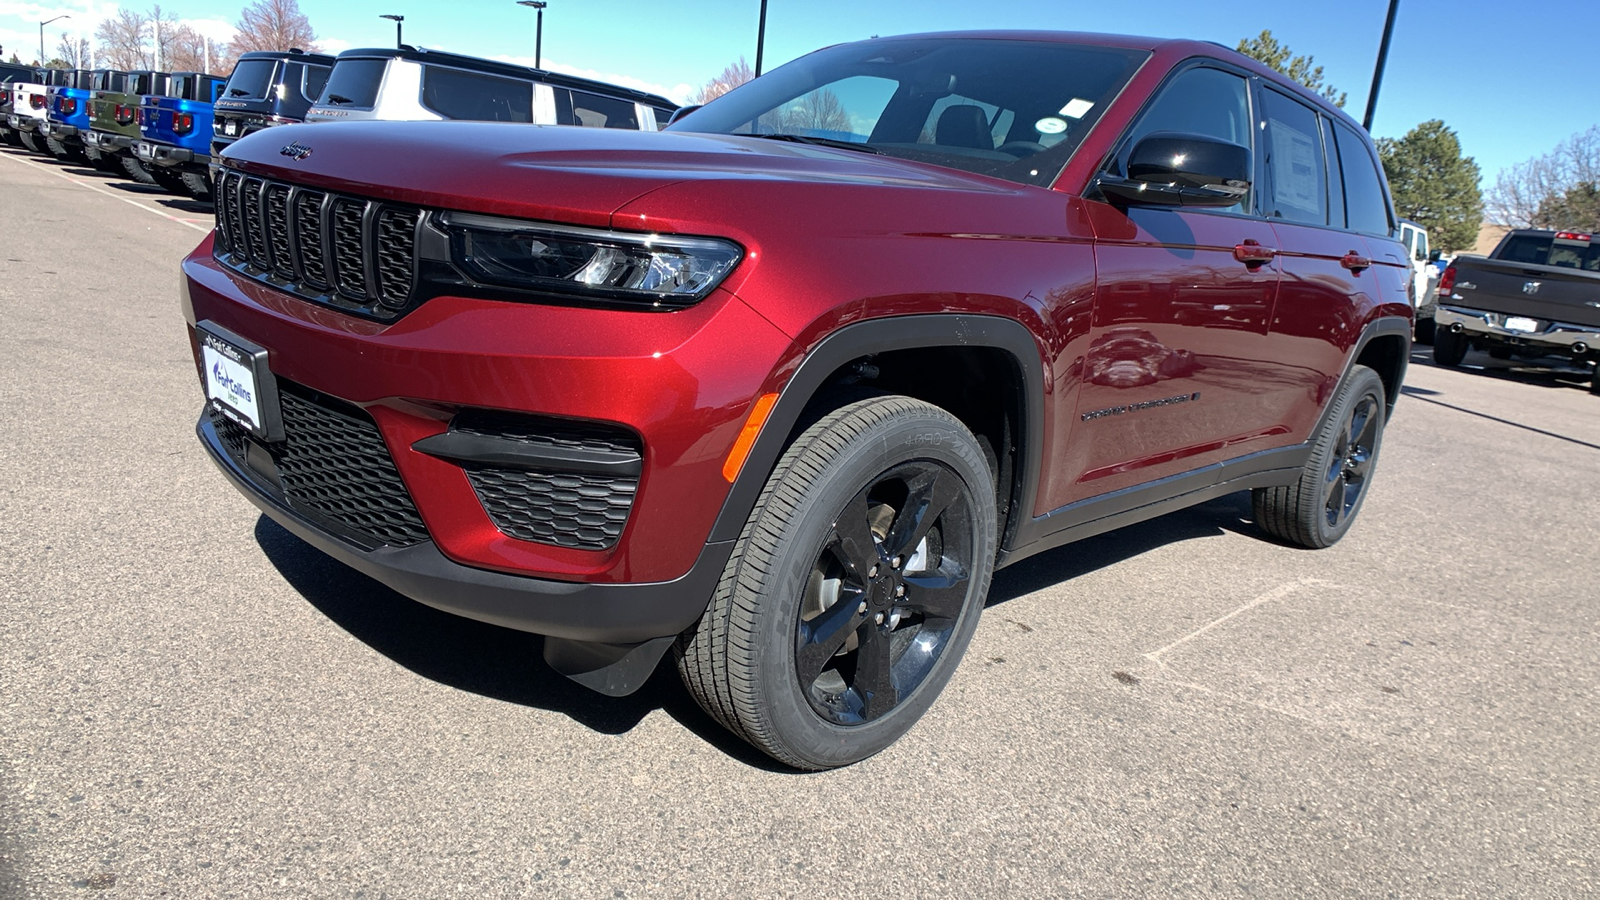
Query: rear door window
(459, 94)
(1366, 206)
(251, 79)
(354, 83)
(594, 111)
(1296, 169)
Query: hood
(566, 173)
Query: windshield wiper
(237, 92)
(339, 99)
(821, 142)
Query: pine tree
(1265, 49)
(1434, 185)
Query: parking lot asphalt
(193, 703)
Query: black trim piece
(1097, 515)
(462, 447)
(1383, 327)
(615, 670)
(882, 336)
(574, 611)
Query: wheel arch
(1385, 348)
(971, 354)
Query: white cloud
(333, 45)
(678, 93)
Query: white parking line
(1277, 593)
(186, 222)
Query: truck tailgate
(1549, 293)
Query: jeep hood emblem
(296, 151)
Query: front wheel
(1318, 509)
(854, 588)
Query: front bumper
(107, 142)
(1548, 335)
(590, 613)
(164, 155)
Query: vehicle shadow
(1547, 372)
(487, 660)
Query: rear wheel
(169, 179)
(1449, 348)
(134, 169)
(1320, 507)
(198, 185)
(1424, 330)
(854, 588)
(29, 141)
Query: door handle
(1252, 254)
(1355, 262)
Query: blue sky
(1512, 82)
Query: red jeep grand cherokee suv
(783, 385)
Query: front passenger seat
(964, 126)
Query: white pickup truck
(1424, 278)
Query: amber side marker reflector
(747, 436)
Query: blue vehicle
(67, 112)
(175, 130)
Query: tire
(28, 141)
(134, 169)
(64, 152)
(1423, 333)
(1449, 348)
(198, 185)
(168, 179)
(816, 612)
(1594, 380)
(1318, 509)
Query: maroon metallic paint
(1122, 307)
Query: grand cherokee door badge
(1140, 407)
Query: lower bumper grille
(584, 512)
(332, 466)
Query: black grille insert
(340, 250)
(548, 502)
(334, 466)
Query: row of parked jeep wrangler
(163, 128)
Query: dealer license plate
(1518, 323)
(230, 127)
(239, 383)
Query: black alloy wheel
(1319, 508)
(885, 593)
(854, 588)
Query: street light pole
(761, 37)
(1377, 71)
(41, 35)
(538, 30)
(397, 20)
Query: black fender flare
(880, 336)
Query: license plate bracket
(239, 381)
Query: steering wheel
(1019, 149)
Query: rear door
(1172, 380)
(1330, 210)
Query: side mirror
(1434, 256)
(682, 111)
(1172, 169)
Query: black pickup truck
(1537, 295)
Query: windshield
(1011, 109)
(251, 79)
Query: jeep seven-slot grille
(336, 249)
(549, 505)
(333, 465)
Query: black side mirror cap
(1172, 169)
(1434, 256)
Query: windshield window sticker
(1050, 125)
(1076, 107)
(1294, 168)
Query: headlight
(662, 270)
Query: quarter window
(1296, 169)
(459, 94)
(1366, 207)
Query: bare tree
(1534, 193)
(122, 40)
(734, 75)
(75, 54)
(273, 25)
(190, 51)
(817, 111)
